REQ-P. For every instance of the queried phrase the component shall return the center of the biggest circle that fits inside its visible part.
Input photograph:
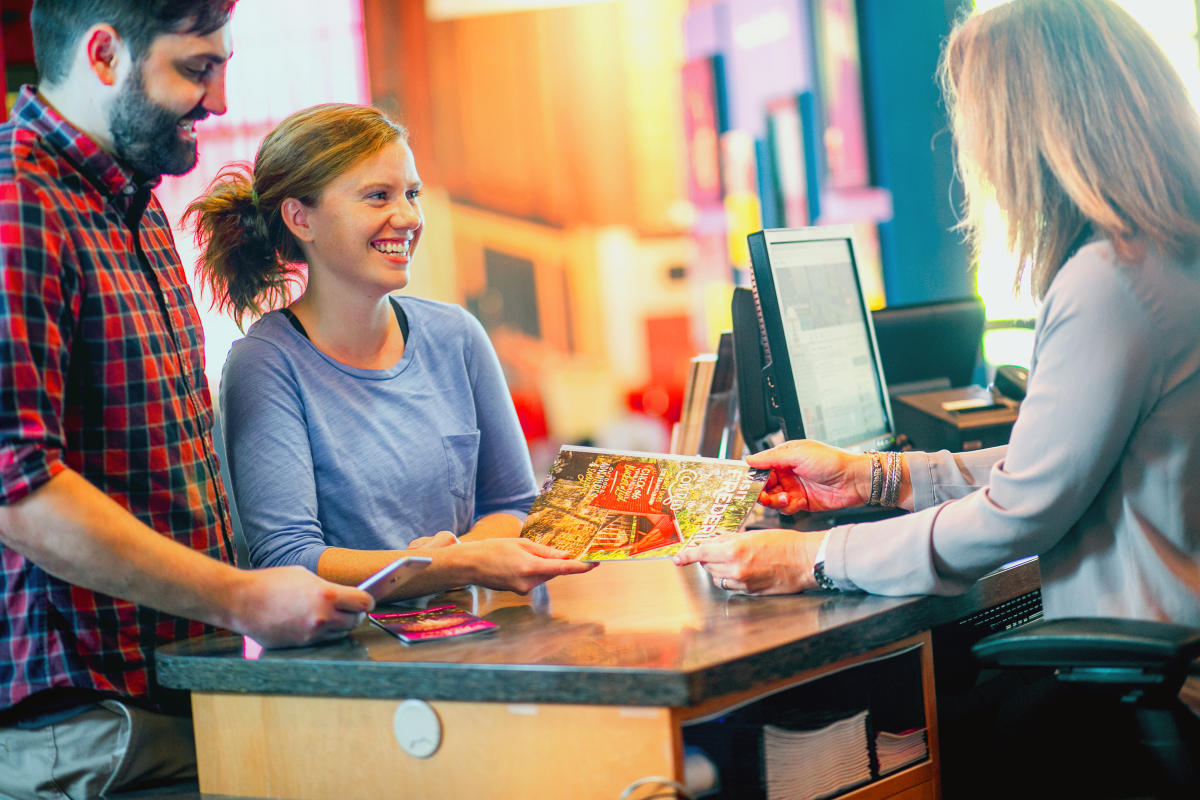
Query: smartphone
(384, 582)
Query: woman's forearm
(494, 526)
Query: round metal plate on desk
(417, 728)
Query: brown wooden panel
(319, 748)
(568, 116)
(447, 125)
(397, 51)
(589, 104)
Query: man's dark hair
(59, 24)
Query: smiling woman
(357, 242)
(358, 424)
(255, 224)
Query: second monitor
(930, 346)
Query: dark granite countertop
(627, 633)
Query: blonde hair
(249, 258)
(1069, 116)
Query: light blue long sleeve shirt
(1101, 476)
(322, 454)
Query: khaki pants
(109, 747)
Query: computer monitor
(930, 346)
(821, 360)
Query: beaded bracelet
(876, 478)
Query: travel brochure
(612, 505)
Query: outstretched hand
(758, 562)
(810, 476)
(515, 564)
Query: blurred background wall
(592, 168)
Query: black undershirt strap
(401, 317)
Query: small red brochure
(440, 622)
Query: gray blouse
(1101, 476)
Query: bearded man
(114, 528)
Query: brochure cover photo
(609, 505)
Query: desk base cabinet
(326, 748)
(344, 748)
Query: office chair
(1133, 664)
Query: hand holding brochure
(606, 505)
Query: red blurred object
(531, 414)
(18, 40)
(658, 401)
(16, 43)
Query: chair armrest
(1093, 642)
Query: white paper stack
(805, 765)
(897, 750)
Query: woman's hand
(809, 476)
(515, 564)
(439, 539)
(758, 562)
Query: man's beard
(146, 136)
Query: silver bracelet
(876, 478)
(891, 483)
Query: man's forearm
(75, 532)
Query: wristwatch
(823, 581)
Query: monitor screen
(824, 369)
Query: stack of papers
(897, 750)
(806, 765)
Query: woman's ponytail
(239, 263)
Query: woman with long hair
(358, 424)
(1070, 120)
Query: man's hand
(810, 476)
(758, 562)
(290, 606)
(514, 564)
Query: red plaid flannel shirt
(101, 371)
